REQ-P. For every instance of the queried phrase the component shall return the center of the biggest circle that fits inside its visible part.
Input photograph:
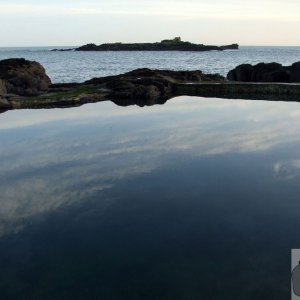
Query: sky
(217, 22)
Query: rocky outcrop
(145, 87)
(23, 77)
(270, 72)
(175, 76)
(146, 84)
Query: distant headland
(175, 44)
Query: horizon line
(75, 46)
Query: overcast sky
(77, 22)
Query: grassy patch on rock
(75, 96)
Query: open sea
(194, 199)
(80, 66)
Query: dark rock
(295, 72)
(4, 104)
(172, 76)
(213, 77)
(281, 75)
(23, 77)
(146, 84)
(241, 73)
(145, 88)
(148, 87)
(263, 72)
(271, 72)
(120, 84)
(121, 89)
(140, 102)
(3, 90)
(147, 92)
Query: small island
(175, 44)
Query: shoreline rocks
(22, 77)
(266, 72)
(146, 84)
(25, 84)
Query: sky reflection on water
(194, 198)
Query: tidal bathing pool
(194, 199)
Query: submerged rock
(265, 72)
(22, 77)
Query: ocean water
(81, 66)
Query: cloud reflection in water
(56, 158)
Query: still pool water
(193, 199)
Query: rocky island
(25, 84)
(175, 44)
